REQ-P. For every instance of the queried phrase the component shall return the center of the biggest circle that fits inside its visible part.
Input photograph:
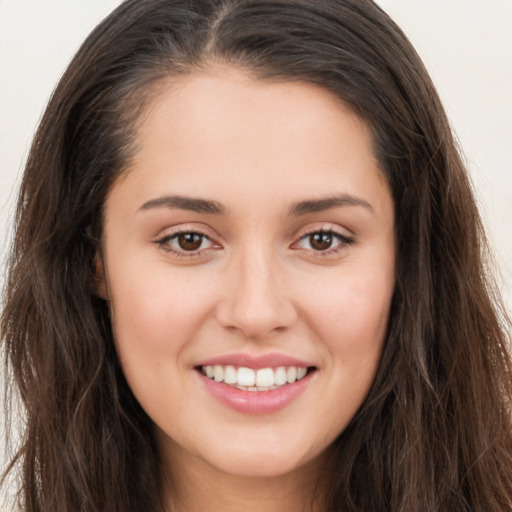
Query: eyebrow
(326, 203)
(185, 203)
(215, 208)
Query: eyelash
(164, 243)
(342, 242)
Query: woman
(248, 273)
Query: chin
(257, 461)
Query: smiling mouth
(262, 379)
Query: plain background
(466, 45)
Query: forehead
(224, 128)
(224, 98)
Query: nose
(254, 298)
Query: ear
(99, 277)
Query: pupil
(190, 241)
(320, 241)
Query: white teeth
(265, 377)
(301, 373)
(291, 374)
(218, 373)
(230, 375)
(247, 379)
(280, 376)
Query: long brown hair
(434, 433)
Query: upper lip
(273, 360)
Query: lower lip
(256, 402)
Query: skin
(257, 285)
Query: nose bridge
(254, 301)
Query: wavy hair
(434, 433)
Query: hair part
(434, 433)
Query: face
(248, 259)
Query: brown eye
(189, 241)
(324, 243)
(320, 241)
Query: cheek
(351, 326)
(346, 313)
(156, 314)
(155, 317)
(352, 312)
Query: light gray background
(466, 45)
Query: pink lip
(256, 402)
(255, 362)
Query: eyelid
(344, 240)
(324, 227)
(169, 234)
